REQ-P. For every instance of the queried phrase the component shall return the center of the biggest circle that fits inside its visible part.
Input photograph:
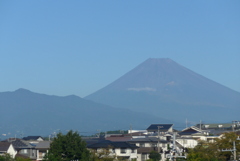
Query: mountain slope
(164, 88)
(40, 114)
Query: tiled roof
(188, 132)
(43, 145)
(136, 134)
(146, 140)
(4, 146)
(162, 127)
(107, 144)
(32, 137)
(18, 143)
(118, 138)
(90, 141)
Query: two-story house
(120, 150)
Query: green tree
(67, 148)
(22, 159)
(205, 151)
(226, 142)
(8, 157)
(155, 156)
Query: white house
(187, 142)
(118, 149)
(42, 149)
(148, 144)
(6, 147)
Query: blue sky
(77, 47)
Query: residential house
(220, 126)
(121, 150)
(148, 144)
(161, 128)
(33, 138)
(189, 137)
(119, 137)
(23, 147)
(8, 148)
(42, 149)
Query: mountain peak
(22, 90)
(159, 60)
(167, 87)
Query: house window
(154, 145)
(184, 141)
(33, 152)
(133, 150)
(113, 150)
(142, 145)
(123, 150)
(24, 151)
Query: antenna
(201, 125)
(131, 130)
(98, 135)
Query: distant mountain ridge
(162, 87)
(23, 111)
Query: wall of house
(155, 144)
(12, 151)
(145, 156)
(41, 154)
(31, 153)
(126, 152)
(40, 139)
(122, 152)
(187, 142)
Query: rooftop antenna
(201, 125)
(12, 139)
(131, 131)
(98, 135)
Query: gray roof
(107, 144)
(162, 127)
(147, 140)
(32, 138)
(43, 145)
(19, 143)
(216, 126)
(4, 146)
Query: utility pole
(158, 139)
(175, 153)
(234, 150)
(233, 124)
(201, 125)
(174, 141)
(98, 135)
(131, 131)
